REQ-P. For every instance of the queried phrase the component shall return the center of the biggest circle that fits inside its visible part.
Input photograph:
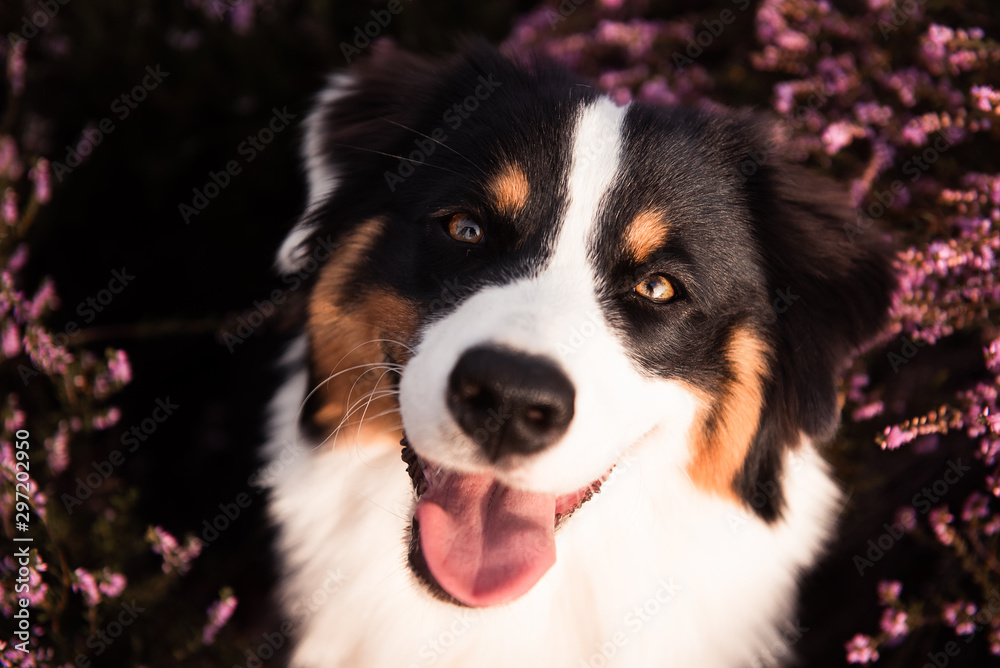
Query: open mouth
(478, 542)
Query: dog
(562, 375)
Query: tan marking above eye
(645, 235)
(656, 288)
(462, 228)
(510, 189)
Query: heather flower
(907, 517)
(42, 178)
(175, 556)
(85, 583)
(57, 447)
(10, 340)
(840, 134)
(893, 623)
(861, 649)
(10, 211)
(106, 419)
(113, 584)
(940, 520)
(218, 614)
(16, 66)
(959, 616)
(119, 369)
(976, 506)
(10, 162)
(889, 591)
(868, 411)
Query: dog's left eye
(463, 228)
(656, 288)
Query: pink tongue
(485, 543)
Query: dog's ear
(356, 120)
(830, 284)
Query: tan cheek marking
(645, 235)
(343, 336)
(723, 443)
(510, 190)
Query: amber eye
(463, 228)
(656, 288)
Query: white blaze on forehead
(595, 159)
(556, 314)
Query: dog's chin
(483, 543)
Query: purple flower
(10, 211)
(113, 584)
(894, 624)
(861, 649)
(42, 178)
(907, 516)
(889, 591)
(11, 340)
(976, 506)
(218, 614)
(940, 520)
(175, 556)
(85, 583)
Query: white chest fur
(650, 572)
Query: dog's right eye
(462, 228)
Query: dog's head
(537, 281)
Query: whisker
(398, 157)
(346, 423)
(302, 405)
(439, 143)
(352, 407)
(370, 397)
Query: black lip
(419, 567)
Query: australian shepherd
(564, 369)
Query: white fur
(651, 571)
(322, 175)
(718, 582)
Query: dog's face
(538, 281)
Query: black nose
(510, 403)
